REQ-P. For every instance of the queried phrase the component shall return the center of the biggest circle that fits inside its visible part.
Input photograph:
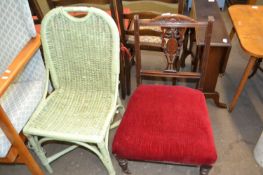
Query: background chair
(36, 11)
(168, 124)
(22, 82)
(83, 64)
(150, 38)
(37, 14)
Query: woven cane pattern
(22, 97)
(79, 54)
(146, 39)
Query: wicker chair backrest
(81, 53)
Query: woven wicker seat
(82, 57)
(91, 113)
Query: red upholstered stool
(167, 124)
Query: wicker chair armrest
(20, 61)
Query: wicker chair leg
(123, 164)
(40, 153)
(204, 169)
(106, 158)
(121, 108)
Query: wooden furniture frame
(122, 17)
(220, 46)
(249, 33)
(18, 152)
(173, 32)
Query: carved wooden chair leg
(204, 169)
(232, 33)
(123, 164)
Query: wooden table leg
(242, 83)
(232, 33)
(255, 68)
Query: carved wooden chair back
(173, 28)
(146, 9)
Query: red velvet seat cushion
(166, 123)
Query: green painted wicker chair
(82, 57)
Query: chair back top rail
(173, 20)
(55, 3)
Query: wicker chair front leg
(39, 152)
(106, 159)
(119, 109)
